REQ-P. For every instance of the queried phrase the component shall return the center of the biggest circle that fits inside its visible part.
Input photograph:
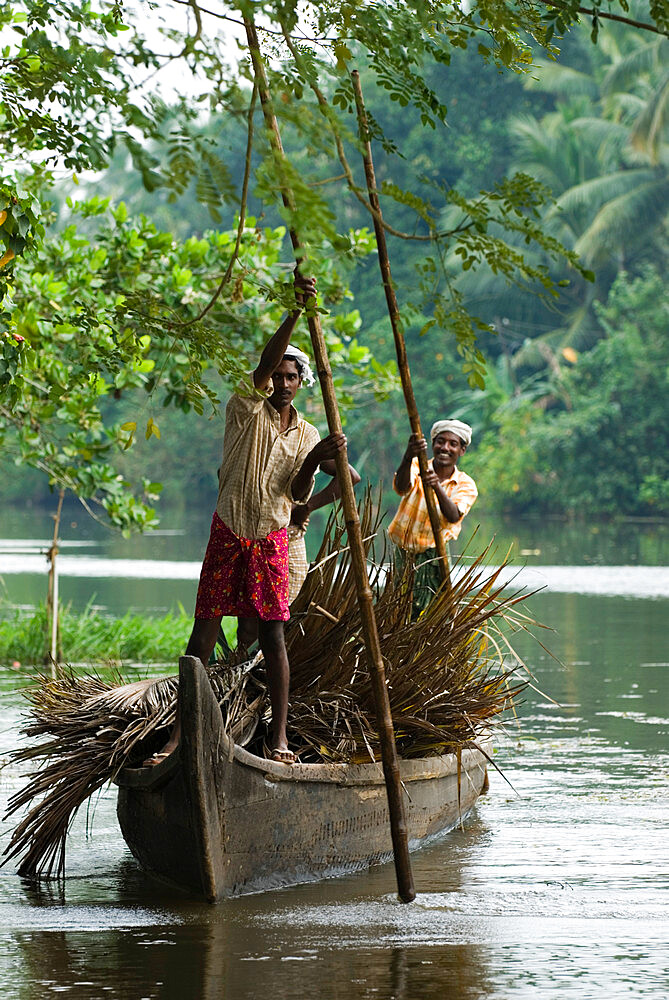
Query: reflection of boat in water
(216, 820)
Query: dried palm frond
(448, 677)
(93, 729)
(447, 671)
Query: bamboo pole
(396, 324)
(390, 760)
(52, 589)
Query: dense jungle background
(572, 414)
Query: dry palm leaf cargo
(450, 675)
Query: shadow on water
(326, 940)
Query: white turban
(457, 427)
(302, 362)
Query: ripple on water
(522, 931)
(71, 917)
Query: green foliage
(70, 58)
(111, 309)
(103, 332)
(512, 209)
(599, 154)
(20, 229)
(560, 18)
(604, 448)
(91, 637)
(59, 61)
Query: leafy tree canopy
(80, 80)
(83, 353)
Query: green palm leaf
(563, 81)
(650, 127)
(623, 222)
(592, 194)
(641, 61)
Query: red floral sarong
(244, 577)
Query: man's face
(285, 383)
(447, 449)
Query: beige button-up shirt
(260, 462)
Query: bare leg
(247, 632)
(273, 646)
(201, 644)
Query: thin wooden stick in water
(396, 324)
(391, 768)
(52, 593)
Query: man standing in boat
(298, 564)
(270, 457)
(455, 492)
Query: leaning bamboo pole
(389, 757)
(396, 324)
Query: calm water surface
(93, 568)
(556, 887)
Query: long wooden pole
(396, 324)
(389, 757)
(52, 590)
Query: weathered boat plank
(201, 748)
(219, 821)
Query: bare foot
(281, 755)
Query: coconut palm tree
(620, 208)
(604, 153)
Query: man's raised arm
(275, 348)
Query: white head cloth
(302, 362)
(457, 427)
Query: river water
(556, 887)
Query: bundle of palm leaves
(450, 675)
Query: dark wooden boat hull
(219, 821)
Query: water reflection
(201, 963)
(345, 945)
(607, 678)
(549, 541)
(556, 887)
(535, 543)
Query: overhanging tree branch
(604, 15)
(242, 213)
(348, 173)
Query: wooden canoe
(218, 821)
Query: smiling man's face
(447, 450)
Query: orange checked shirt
(411, 528)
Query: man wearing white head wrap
(270, 457)
(457, 427)
(455, 492)
(303, 364)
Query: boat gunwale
(342, 774)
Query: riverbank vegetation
(529, 244)
(93, 638)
